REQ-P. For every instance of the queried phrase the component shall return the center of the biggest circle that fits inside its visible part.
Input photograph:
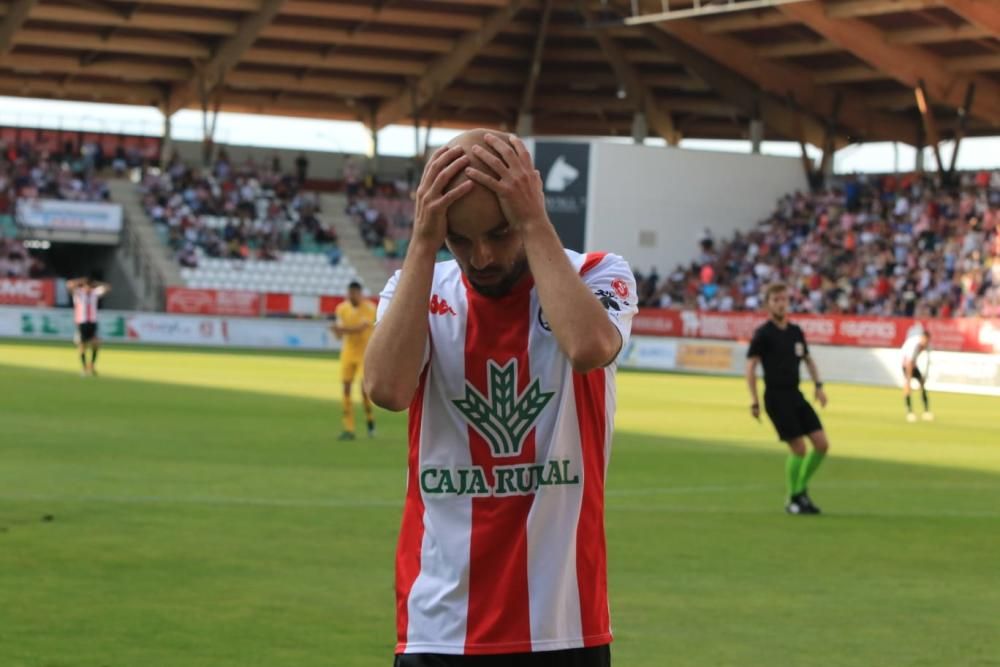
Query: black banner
(565, 171)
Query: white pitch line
(853, 514)
(362, 503)
(333, 503)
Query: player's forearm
(394, 357)
(751, 378)
(813, 370)
(576, 317)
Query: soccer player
(355, 318)
(86, 293)
(780, 347)
(505, 357)
(917, 342)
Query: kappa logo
(439, 306)
(502, 417)
(561, 175)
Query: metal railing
(701, 8)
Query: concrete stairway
(371, 269)
(142, 260)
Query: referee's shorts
(596, 656)
(790, 413)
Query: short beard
(503, 287)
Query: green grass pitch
(204, 515)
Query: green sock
(812, 462)
(793, 473)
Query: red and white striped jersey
(502, 545)
(85, 304)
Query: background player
(86, 293)
(918, 341)
(355, 318)
(780, 347)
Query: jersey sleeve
(758, 344)
(805, 345)
(385, 296)
(613, 284)
(385, 299)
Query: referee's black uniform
(781, 351)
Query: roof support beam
(932, 35)
(963, 122)
(786, 81)
(907, 64)
(782, 118)
(528, 94)
(658, 118)
(982, 13)
(447, 68)
(109, 91)
(17, 14)
(226, 56)
(930, 125)
(850, 9)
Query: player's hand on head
(430, 222)
(518, 185)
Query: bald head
(479, 203)
(469, 139)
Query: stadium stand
(875, 246)
(17, 262)
(32, 169)
(384, 218)
(28, 170)
(245, 227)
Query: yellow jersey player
(355, 318)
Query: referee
(781, 346)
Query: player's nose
(482, 255)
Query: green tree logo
(503, 418)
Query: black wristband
(819, 385)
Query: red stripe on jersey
(411, 535)
(593, 259)
(591, 551)
(499, 611)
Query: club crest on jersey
(620, 287)
(503, 417)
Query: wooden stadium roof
(833, 71)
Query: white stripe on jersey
(552, 584)
(439, 600)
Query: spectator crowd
(31, 171)
(241, 211)
(888, 245)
